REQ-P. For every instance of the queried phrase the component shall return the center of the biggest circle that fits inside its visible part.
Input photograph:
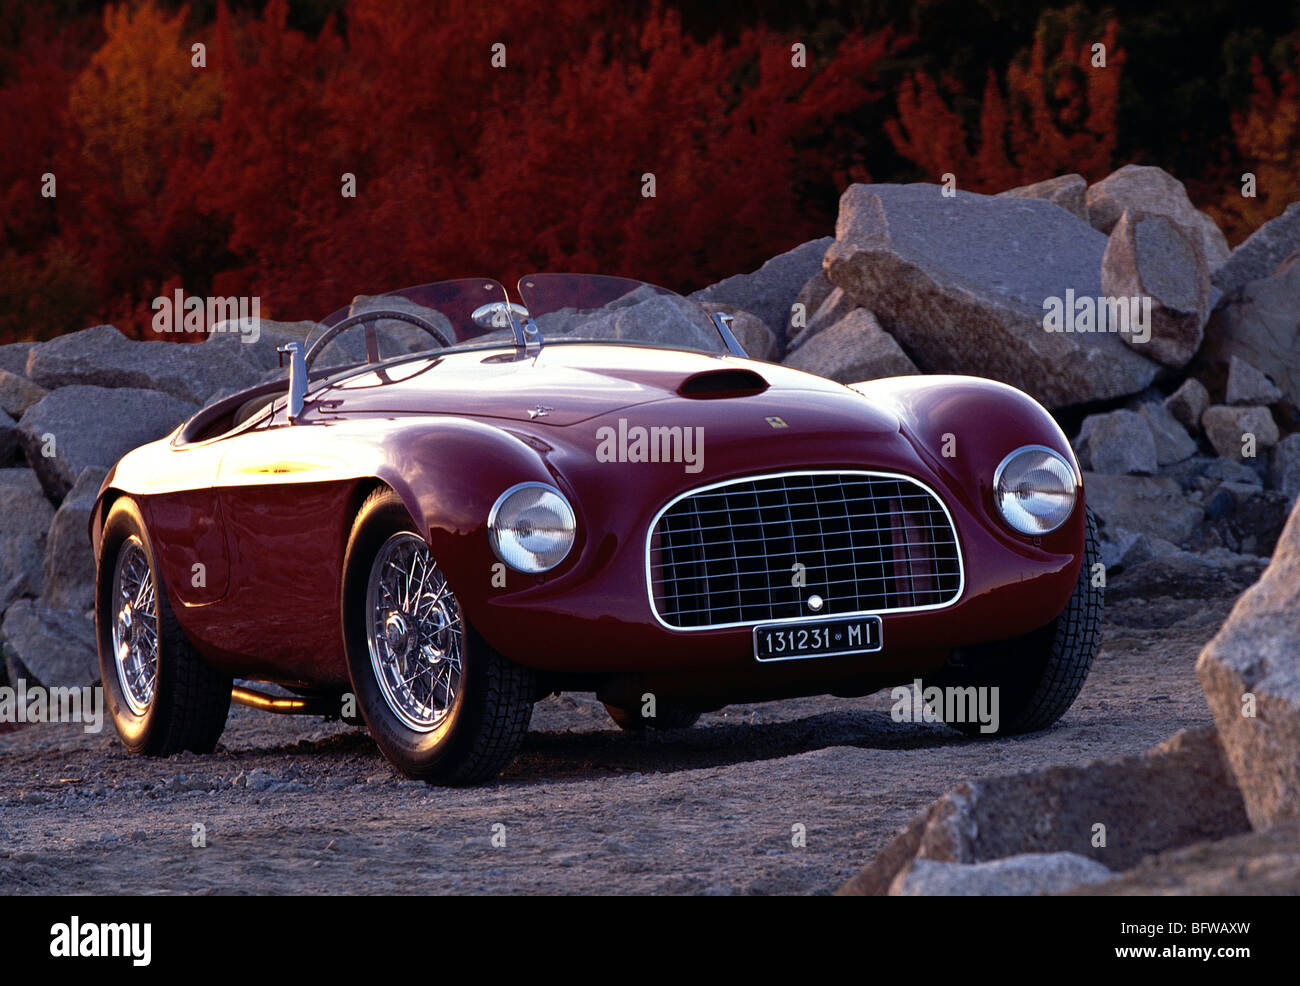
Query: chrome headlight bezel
(507, 544)
(1027, 522)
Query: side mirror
(297, 377)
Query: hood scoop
(732, 382)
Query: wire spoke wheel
(135, 626)
(414, 632)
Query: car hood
(567, 384)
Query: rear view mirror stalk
(297, 377)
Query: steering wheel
(372, 343)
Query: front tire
(1038, 675)
(162, 696)
(442, 705)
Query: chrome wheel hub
(414, 633)
(135, 626)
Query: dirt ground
(298, 805)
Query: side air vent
(723, 383)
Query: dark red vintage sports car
(458, 503)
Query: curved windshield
(597, 308)
(470, 311)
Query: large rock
(1262, 251)
(22, 560)
(103, 357)
(1025, 875)
(1175, 794)
(17, 393)
(1260, 323)
(9, 443)
(1251, 675)
(1264, 864)
(21, 477)
(1154, 190)
(1173, 443)
(834, 307)
(13, 357)
(1247, 385)
(809, 299)
(754, 336)
(51, 647)
(258, 342)
(82, 426)
(854, 348)
(24, 512)
(965, 285)
(1284, 467)
(1188, 403)
(1226, 429)
(1068, 191)
(1117, 442)
(69, 581)
(1151, 504)
(770, 291)
(1150, 256)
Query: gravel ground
(298, 805)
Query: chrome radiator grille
(729, 554)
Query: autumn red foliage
(149, 148)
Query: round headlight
(532, 527)
(1035, 489)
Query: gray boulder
(240, 340)
(9, 444)
(966, 283)
(754, 336)
(1150, 256)
(1227, 427)
(854, 348)
(1154, 190)
(69, 559)
(1117, 442)
(1284, 467)
(1188, 403)
(17, 393)
(103, 357)
(1070, 192)
(770, 291)
(22, 560)
(13, 357)
(809, 299)
(1262, 251)
(1175, 794)
(21, 477)
(1247, 385)
(24, 512)
(1151, 504)
(1173, 443)
(1025, 875)
(80, 426)
(1260, 323)
(1251, 675)
(834, 307)
(52, 647)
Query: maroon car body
(264, 510)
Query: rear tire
(1038, 675)
(443, 707)
(162, 696)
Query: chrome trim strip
(650, 532)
